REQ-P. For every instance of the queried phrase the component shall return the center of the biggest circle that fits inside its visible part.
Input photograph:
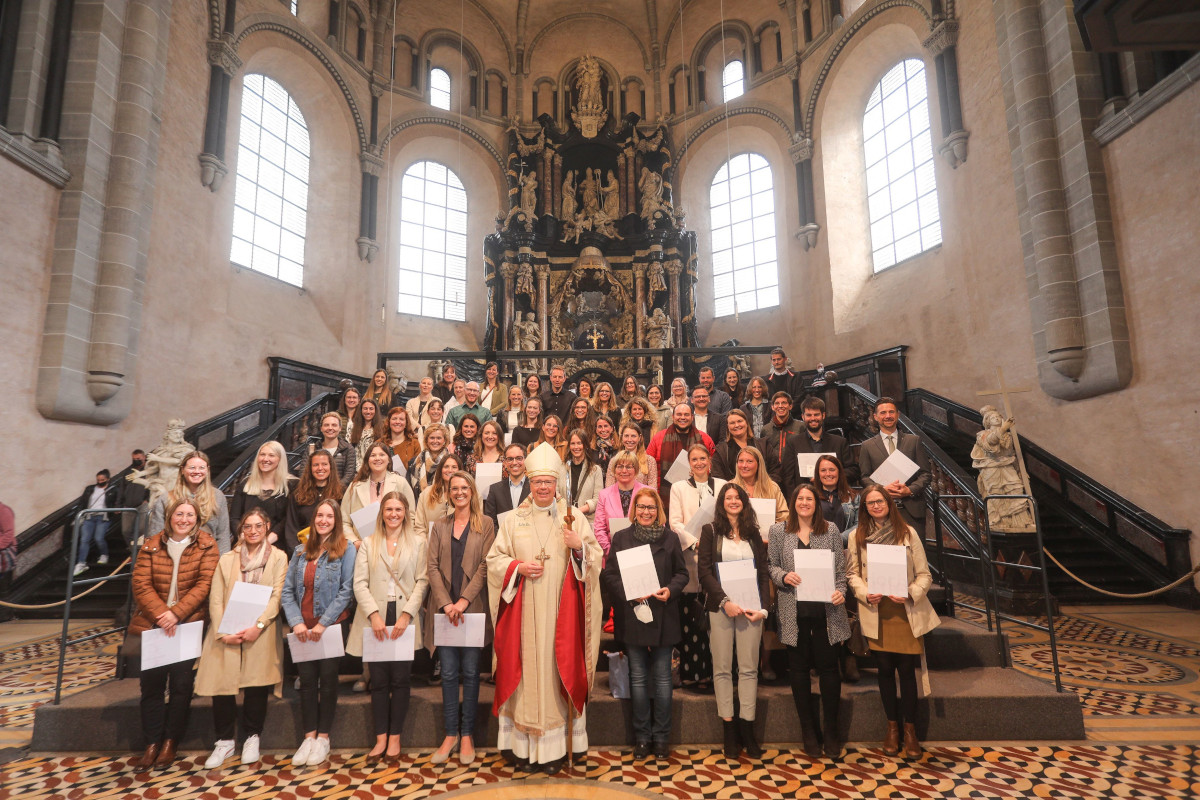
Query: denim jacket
(333, 586)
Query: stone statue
(742, 366)
(528, 337)
(529, 184)
(657, 330)
(612, 197)
(163, 462)
(590, 187)
(588, 82)
(568, 197)
(525, 280)
(994, 455)
(657, 278)
(651, 187)
(396, 382)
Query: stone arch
(566, 18)
(397, 126)
(847, 33)
(727, 29)
(404, 46)
(352, 13)
(731, 113)
(290, 29)
(760, 33)
(437, 36)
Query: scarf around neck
(646, 534)
(253, 566)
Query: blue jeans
(93, 528)
(460, 663)
(646, 664)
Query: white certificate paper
(468, 633)
(330, 646)
(807, 464)
(897, 467)
(398, 467)
(617, 524)
(739, 580)
(486, 475)
(401, 648)
(703, 516)
(887, 570)
(815, 568)
(508, 438)
(638, 574)
(247, 602)
(159, 650)
(364, 519)
(680, 470)
(764, 509)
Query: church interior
(959, 203)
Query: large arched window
(902, 196)
(439, 88)
(271, 189)
(732, 80)
(745, 270)
(433, 243)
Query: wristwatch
(260, 625)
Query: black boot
(749, 741)
(808, 735)
(833, 742)
(732, 748)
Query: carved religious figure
(568, 197)
(162, 463)
(588, 82)
(994, 455)
(590, 187)
(657, 330)
(612, 196)
(657, 277)
(528, 337)
(525, 280)
(651, 186)
(529, 184)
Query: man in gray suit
(874, 451)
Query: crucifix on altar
(997, 456)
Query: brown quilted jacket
(152, 580)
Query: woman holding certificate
(243, 653)
(646, 618)
(389, 584)
(893, 623)
(807, 559)
(733, 573)
(316, 593)
(457, 572)
(171, 580)
(434, 502)
(374, 480)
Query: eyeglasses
(646, 508)
(879, 502)
(514, 459)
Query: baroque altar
(591, 252)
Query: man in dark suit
(814, 439)
(507, 494)
(782, 379)
(557, 400)
(909, 496)
(705, 418)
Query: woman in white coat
(373, 481)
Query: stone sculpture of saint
(525, 280)
(529, 185)
(995, 456)
(589, 185)
(528, 336)
(162, 463)
(612, 197)
(588, 81)
(650, 184)
(568, 197)
(657, 278)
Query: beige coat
(474, 587)
(358, 496)
(225, 669)
(425, 515)
(921, 616)
(371, 571)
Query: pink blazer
(608, 504)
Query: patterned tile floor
(1136, 670)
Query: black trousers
(904, 666)
(162, 718)
(814, 650)
(391, 687)
(254, 712)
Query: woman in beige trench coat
(251, 660)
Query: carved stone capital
(542, 271)
(367, 248)
(371, 163)
(212, 170)
(378, 87)
(801, 150)
(943, 37)
(793, 72)
(222, 53)
(508, 270)
(954, 149)
(673, 268)
(639, 269)
(807, 235)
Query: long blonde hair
(476, 502)
(253, 485)
(406, 528)
(640, 453)
(205, 496)
(762, 481)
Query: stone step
(970, 704)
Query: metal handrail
(63, 641)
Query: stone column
(508, 312)
(556, 187)
(629, 184)
(542, 271)
(673, 268)
(547, 176)
(223, 65)
(639, 309)
(623, 191)
(802, 153)
(942, 45)
(372, 167)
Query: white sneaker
(102, 560)
(302, 755)
(80, 568)
(250, 750)
(223, 750)
(319, 752)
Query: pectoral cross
(1004, 391)
(542, 557)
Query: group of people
(584, 477)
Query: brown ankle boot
(891, 742)
(147, 758)
(166, 756)
(912, 747)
